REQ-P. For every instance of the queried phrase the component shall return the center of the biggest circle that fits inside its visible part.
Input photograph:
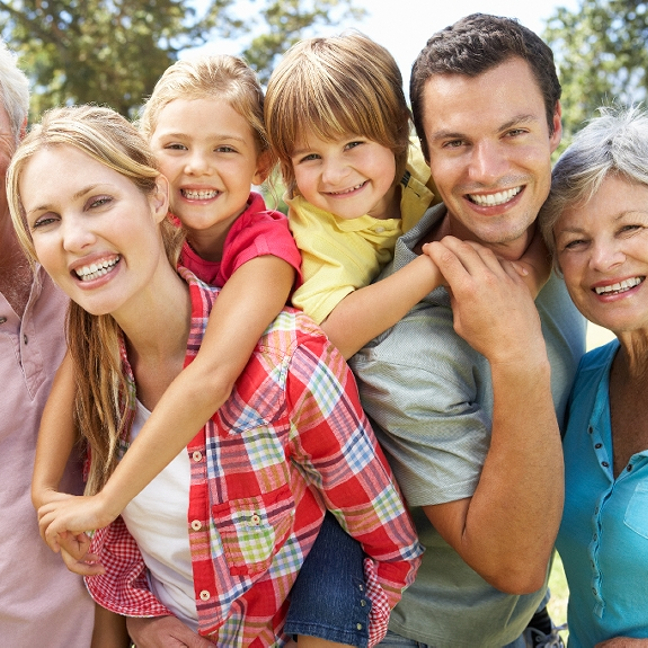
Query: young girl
(205, 124)
(354, 184)
(254, 483)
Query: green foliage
(286, 21)
(602, 55)
(112, 52)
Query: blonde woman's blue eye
(41, 222)
(100, 202)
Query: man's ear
(265, 162)
(23, 130)
(159, 198)
(556, 136)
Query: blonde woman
(218, 538)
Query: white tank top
(157, 520)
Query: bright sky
(405, 32)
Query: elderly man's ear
(23, 129)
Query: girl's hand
(72, 517)
(74, 551)
(47, 495)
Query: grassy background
(557, 584)
(559, 594)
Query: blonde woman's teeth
(96, 270)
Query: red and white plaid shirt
(291, 442)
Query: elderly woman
(596, 225)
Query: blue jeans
(393, 640)
(328, 598)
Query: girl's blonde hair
(212, 76)
(94, 340)
(333, 87)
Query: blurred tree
(601, 50)
(112, 52)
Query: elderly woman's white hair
(14, 90)
(615, 143)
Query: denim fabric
(393, 640)
(328, 598)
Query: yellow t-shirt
(341, 255)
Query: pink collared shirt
(41, 602)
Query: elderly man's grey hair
(615, 143)
(14, 90)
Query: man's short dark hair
(476, 44)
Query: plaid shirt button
(204, 595)
(196, 525)
(197, 455)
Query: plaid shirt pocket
(253, 529)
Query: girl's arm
(247, 304)
(369, 311)
(56, 436)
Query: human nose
(77, 234)
(606, 254)
(334, 170)
(197, 164)
(487, 162)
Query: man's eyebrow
(518, 120)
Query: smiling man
(468, 390)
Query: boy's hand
(535, 264)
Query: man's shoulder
(423, 346)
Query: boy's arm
(535, 265)
(247, 304)
(109, 630)
(56, 436)
(369, 311)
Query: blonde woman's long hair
(104, 394)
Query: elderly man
(468, 390)
(41, 602)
